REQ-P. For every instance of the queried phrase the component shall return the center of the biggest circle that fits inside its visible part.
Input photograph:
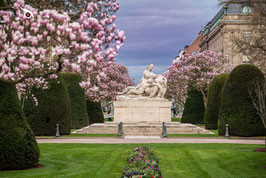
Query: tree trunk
(204, 98)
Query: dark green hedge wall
(194, 108)
(77, 99)
(236, 105)
(53, 108)
(95, 112)
(213, 101)
(18, 147)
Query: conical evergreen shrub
(77, 99)
(213, 101)
(95, 112)
(236, 105)
(194, 108)
(18, 147)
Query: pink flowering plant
(142, 162)
(35, 48)
(197, 71)
(116, 80)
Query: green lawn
(174, 119)
(196, 135)
(106, 119)
(176, 160)
(81, 135)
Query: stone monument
(143, 110)
(145, 102)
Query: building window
(246, 9)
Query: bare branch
(258, 96)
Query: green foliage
(53, 108)
(213, 101)
(77, 99)
(18, 147)
(194, 108)
(95, 112)
(236, 105)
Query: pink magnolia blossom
(90, 40)
(113, 79)
(195, 70)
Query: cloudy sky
(157, 29)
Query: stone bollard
(164, 130)
(57, 135)
(120, 129)
(122, 132)
(226, 131)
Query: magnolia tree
(196, 71)
(115, 79)
(45, 42)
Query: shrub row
(63, 103)
(142, 161)
(228, 101)
(236, 104)
(53, 108)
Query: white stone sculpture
(151, 85)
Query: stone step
(144, 128)
(142, 137)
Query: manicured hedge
(236, 105)
(77, 99)
(53, 108)
(18, 147)
(194, 108)
(213, 101)
(95, 112)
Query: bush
(53, 108)
(95, 112)
(77, 99)
(236, 105)
(18, 147)
(194, 108)
(213, 101)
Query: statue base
(139, 109)
(143, 129)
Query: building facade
(194, 46)
(218, 35)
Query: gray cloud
(157, 29)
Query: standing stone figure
(151, 85)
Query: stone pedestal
(142, 109)
(142, 116)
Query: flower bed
(142, 163)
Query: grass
(106, 119)
(176, 160)
(174, 119)
(81, 135)
(196, 135)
